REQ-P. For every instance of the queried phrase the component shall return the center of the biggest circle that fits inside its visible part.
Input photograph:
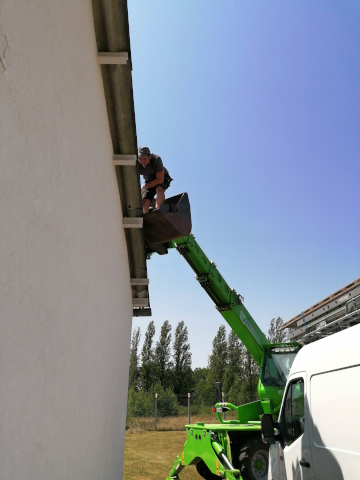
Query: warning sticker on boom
(248, 325)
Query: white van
(318, 430)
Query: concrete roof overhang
(112, 36)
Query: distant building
(66, 260)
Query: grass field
(172, 423)
(150, 455)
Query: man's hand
(157, 181)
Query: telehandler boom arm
(227, 301)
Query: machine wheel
(204, 471)
(254, 461)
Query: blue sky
(254, 107)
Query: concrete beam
(112, 58)
(140, 302)
(132, 222)
(139, 281)
(127, 160)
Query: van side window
(294, 411)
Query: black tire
(254, 461)
(204, 471)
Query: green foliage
(163, 365)
(199, 376)
(168, 375)
(274, 333)
(235, 362)
(139, 404)
(203, 389)
(231, 364)
(233, 394)
(196, 409)
(182, 360)
(251, 377)
(241, 392)
(134, 372)
(218, 359)
(147, 372)
(142, 403)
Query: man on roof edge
(156, 176)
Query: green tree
(249, 386)
(275, 335)
(217, 363)
(142, 403)
(134, 360)
(234, 394)
(163, 355)
(201, 392)
(182, 360)
(199, 376)
(147, 372)
(235, 361)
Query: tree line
(165, 367)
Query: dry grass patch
(150, 455)
(167, 424)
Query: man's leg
(146, 204)
(147, 197)
(160, 196)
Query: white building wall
(65, 298)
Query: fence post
(189, 406)
(155, 409)
(223, 399)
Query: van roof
(337, 351)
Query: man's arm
(157, 181)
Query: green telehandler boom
(234, 449)
(230, 449)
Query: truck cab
(275, 369)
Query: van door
(295, 430)
(335, 421)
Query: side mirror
(267, 429)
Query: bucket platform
(170, 221)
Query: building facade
(66, 299)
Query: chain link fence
(146, 408)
